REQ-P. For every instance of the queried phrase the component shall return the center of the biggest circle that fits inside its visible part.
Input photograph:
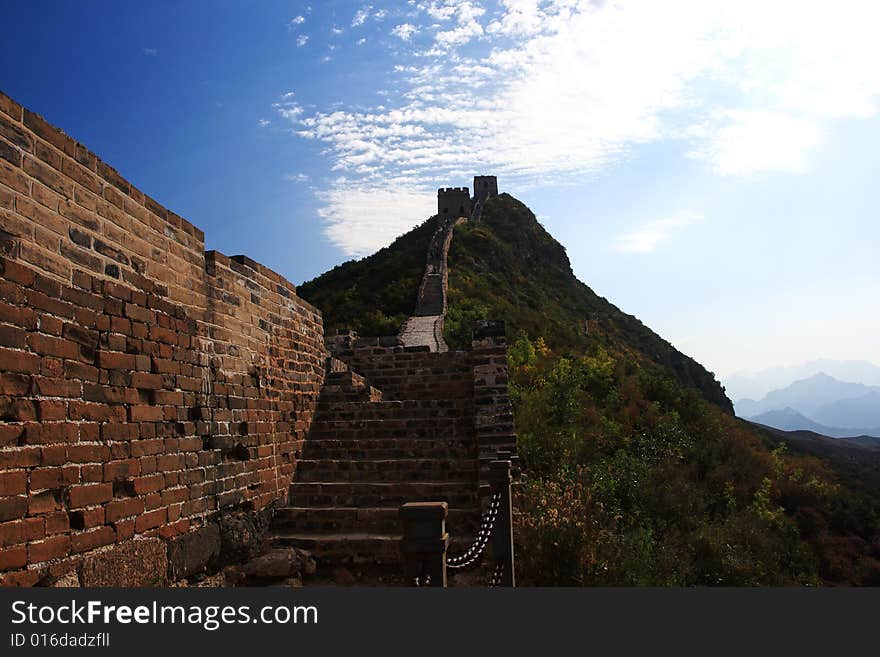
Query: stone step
(378, 430)
(371, 520)
(348, 386)
(387, 448)
(391, 408)
(375, 494)
(388, 470)
(345, 549)
(354, 548)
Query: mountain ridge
(510, 251)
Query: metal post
(502, 534)
(424, 542)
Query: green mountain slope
(511, 266)
(376, 294)
(635, 471)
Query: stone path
(425, 327)
(426, 331)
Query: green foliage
(459, 323)
(631, 480)
(376, 294)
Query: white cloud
(302, 40)
(297, 20)
(361, 41)
(150, 52)
(263, 123)
(361, 16)
(298, 177)
(404, 31)
(336, 30)
(648, 237)
(567, 87)
(748, 142)
(358, 217)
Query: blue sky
(710, 166)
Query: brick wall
(145, 386)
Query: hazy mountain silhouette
(861, 411)
(756, 385)
(788, 419)
(806, 396)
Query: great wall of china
(167, 411)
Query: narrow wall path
(425, 327)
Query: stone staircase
(431, 300)
(365, 456)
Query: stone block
(135, 563)
(194, 552)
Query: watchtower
(453, 202)
(485, 187)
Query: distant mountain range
(758, 384)
(819, 403)
(788, 419)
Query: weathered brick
(111, 360)
(80, 542)
(12, 176)
(118, 509)
(146, 381)
(143, 413)
(42, 478)
(121, 469)
(88, 495)
(145, 485)
(12, 508)
(87, 518)
(43, 502)
(48, 176)
(45, 259)
(13, 482)
(139, 314)
(15, 384)
(15, 557)
(150, 520)
(50, 548)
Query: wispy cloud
(150, 52)
(298, 177)
(361, 16)
(264, 123)
(302, 40)
(404, 31)
(649, 236)
(558, 88)
(297, 20)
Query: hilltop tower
(453, 202)
(485, 187)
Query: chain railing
(487, 522)
(425, 541)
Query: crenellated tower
(485, 187)
(453, 202)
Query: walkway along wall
(152, 395)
